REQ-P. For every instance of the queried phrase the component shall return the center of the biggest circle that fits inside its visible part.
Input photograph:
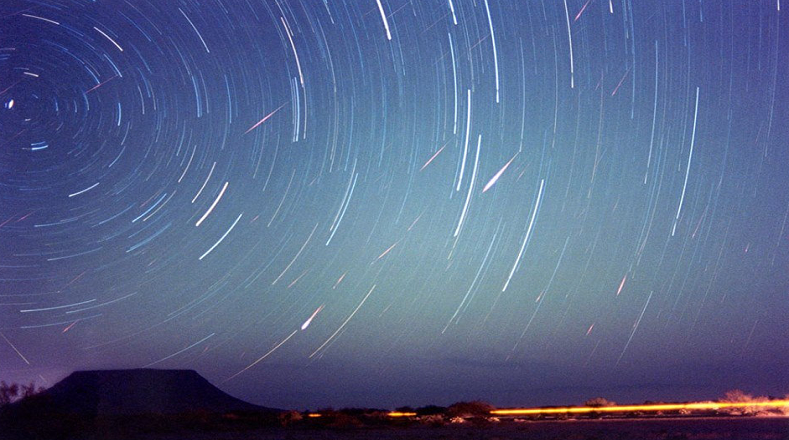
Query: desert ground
(734, 428)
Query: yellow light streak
(401, 414)
(626, 408)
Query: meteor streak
(495, 178)
(432, 157)
(101, 84)
(621, 285)
(389, 249)
(309, 320)
(15, 349)
(581, 11)
(265, 118)
(339, 280)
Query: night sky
(388, 202)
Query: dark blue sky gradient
(387, 203)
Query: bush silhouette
(738, 396)
(13, 392)
(8, 393)
(597, 402)
(474, 408)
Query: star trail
(391, 202)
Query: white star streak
(195, 29)
(84, 190)
(296, 257)
(43, 19)
(204, 183)
(452, 8)
(179, 351)
(528, 234)
(222, 237)
(687, 169)
(383, 17)
(570, 38)
(344, 322)
(635, 327)
(263, 357)
(465, 144)
(470, 189)
(108, 37)
(495, 55)
(293, 46)
(213, 205)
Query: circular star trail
(392, 202)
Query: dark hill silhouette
(119, 403)
(139, 391)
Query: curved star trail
(391, 202)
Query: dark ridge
(139, 391)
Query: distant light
(10, 104)
(314, 415)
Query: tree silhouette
(13, 392)
(8, 393)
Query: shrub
(598, 402)
(738, 396)
(436, 420)
(288, 418)
(470, 409)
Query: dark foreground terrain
(181, 405)
(652, 429)
(739, 428)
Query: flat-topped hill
(139, 391)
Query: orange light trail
(401, 414)
(625, 408)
